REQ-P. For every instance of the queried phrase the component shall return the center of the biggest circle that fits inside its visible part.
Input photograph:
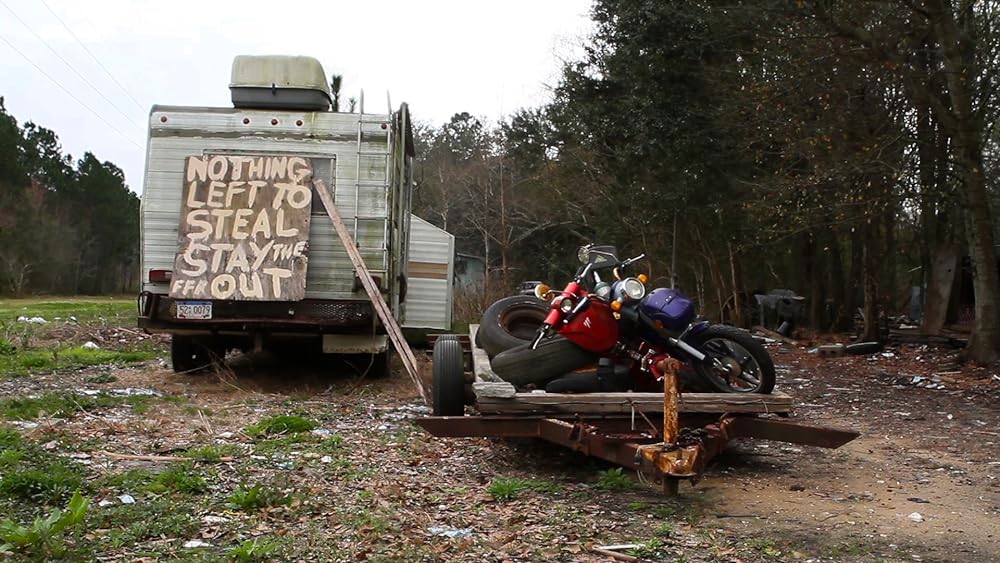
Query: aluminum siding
(429, 301)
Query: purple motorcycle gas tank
(670, 307)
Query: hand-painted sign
(244, 230)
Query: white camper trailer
(237, 249)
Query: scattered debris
(135, 392)
(89, 345)
(863, 348)
(126, 499)
(196, 543)
(32, 320)
(918, 500)
(829, 350)
(916, 517)
(450, 532)
(213, 519)
(613, 551)
(774, 335)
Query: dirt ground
(920, 484)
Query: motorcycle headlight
(566, 305)
(603, 290)
(583, 254)
(633, 288)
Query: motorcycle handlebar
(630, 261)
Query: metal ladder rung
(373, 153)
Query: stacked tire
(506, 331)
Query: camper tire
(190, 355)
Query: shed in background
(430, 267)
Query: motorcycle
(627, 331)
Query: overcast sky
(442, 57)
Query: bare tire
(736, 362)
(192, 355)
(448, 382)
(552, 358)
(510, 322)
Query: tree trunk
(958, 56)
(810, 271)
(870, 275)
(840, 320)
(738, 293)
(851, 287)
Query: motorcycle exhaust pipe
(694, 352)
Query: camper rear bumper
(158, 314)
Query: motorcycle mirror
(542, 291)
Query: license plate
(195, 310)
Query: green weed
(24, 361)
(257, 549)
(767, 546)
(45, 538)
(507, 488)
(64, 405)
(282, 424)
(181, 478)
(665, 511)
(102, 378)
(366, 520)
(256, 497)
(50, 482)
(84, 310)
(130, 524)
(649, 550)
(32, 474)
(665, 530)
(614, 479)
(130, 481)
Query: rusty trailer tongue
(667, 437)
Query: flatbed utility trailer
(668, 437)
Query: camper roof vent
(279, 82)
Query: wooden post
(384, 313)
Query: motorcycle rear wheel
(744, 366)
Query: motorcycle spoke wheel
(739, 358)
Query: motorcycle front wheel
(735, 362)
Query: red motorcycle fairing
(594, 328)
